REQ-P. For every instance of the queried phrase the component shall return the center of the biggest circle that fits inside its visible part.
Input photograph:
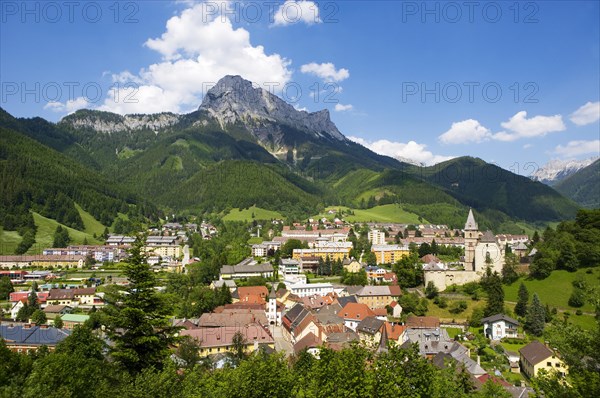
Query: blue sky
(513, 83)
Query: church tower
(272, 307)
(471, 237)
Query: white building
(499, 326)
(289, 266)
(376, 237)
(310, 289)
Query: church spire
(471, 225)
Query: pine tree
(523, 300)
(495, 303)
(536, 317)
(137, 319)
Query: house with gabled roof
(499, 326)
(535, 356)
(354, 313)
(370, 331)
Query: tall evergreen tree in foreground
(536, 317)
(522, 301)
(493, 286)
(137, 318)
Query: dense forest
(572, 245)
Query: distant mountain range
(557, 170)
(583, 186)
(245, 146)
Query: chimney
(478, 360)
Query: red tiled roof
(260, 291)
(355, 311)
(422, 322)
(394, 331)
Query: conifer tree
(536, 317)
(523, 300)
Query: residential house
(24, 338)
(52, 311)
(378, 296)
(395, 332)
(14, 310)
(251, 294)
(535, 356)
(220, 339)
(370, 330)
(499, 326)
(311, 343)
(354, 313)
(352, 266)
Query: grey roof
(535, 352)
(471, 224)
(289, 262)
(520, 246)
(370, 325)
(500, 317)
(226, 282)
(246, 268)
(488, 237)
(33, 335)
(346, 299)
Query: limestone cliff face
(233, 100)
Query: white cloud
(537, 126)
(411, 150)
(325, 71)
(69, 106)
(586, 114)
(292, 12)
(578, 148)
(527, 146)
(466, 131)
(198, 48)
(342, 107)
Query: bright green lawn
(444, 313)
(90, 223)
(255, 240)
(45, 234)
(246, 214)
(384, 213)
(554, 290)
(9, 240)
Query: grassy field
(254, 240)
(246, 214)
(556, 289)
(445, 314)
(9, 241)
(92, 226)
(45, 234)
(384, 213)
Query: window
(549, 364)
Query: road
(281, 344)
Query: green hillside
(583, 187)
(90, 224)
(391, 213)
(485, 186)
(45, 234)
(252, 213)
(8, 241)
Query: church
(482, 250)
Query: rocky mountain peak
(234, 99)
